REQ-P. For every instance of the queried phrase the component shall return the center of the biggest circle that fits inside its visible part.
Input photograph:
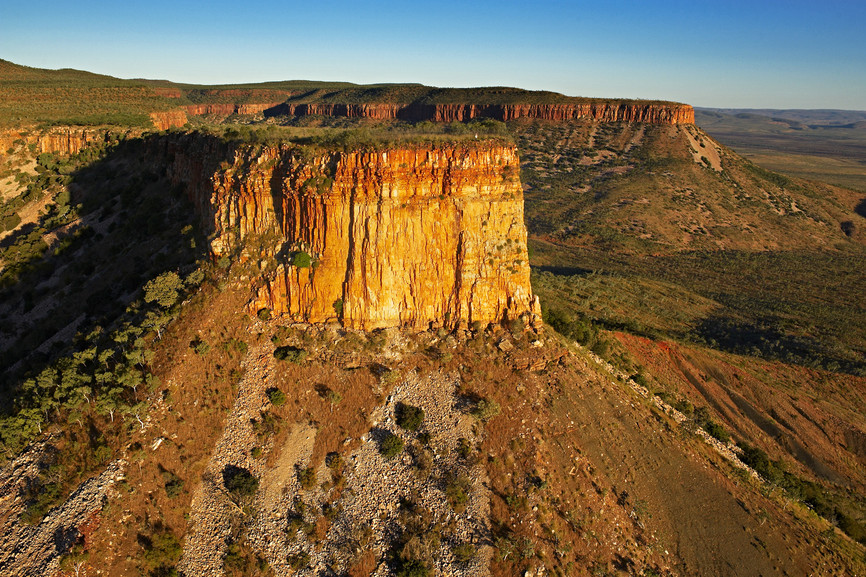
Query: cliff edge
(418, 236)
(597, 111)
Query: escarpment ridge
(33, 96)
(612, 111)
(632, 111)
(60, 140)
(415, 236)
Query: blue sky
(758, 54)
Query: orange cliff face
(169, 119)
(58, 140)
(612, 111)
(414, 237)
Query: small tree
(409, 417)
(240, 482)
(391, 446)
(277, 397)
(164, 289)
(290, 354)
(302, 259)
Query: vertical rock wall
(402, 237)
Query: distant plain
(825, 145)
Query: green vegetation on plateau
(33, 96)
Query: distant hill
(31, 96)
(815, 117)
(827, 145)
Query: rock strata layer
(611, 111)
(420, 236)
(61, 140)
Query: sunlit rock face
(418, 236)
(612, 111)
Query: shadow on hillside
(562, 270)
(80, 266)
(770, 343)
(861, 208)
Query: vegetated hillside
(32, 96)
(266, 448)
(825, 145)
(36, 96)
(664, 189)
(690, 253)
(178, 432)
(761, 263)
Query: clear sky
(725, 53)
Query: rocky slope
(399, 237)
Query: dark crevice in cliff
(456, 301)
(276, 184)
(350, 257)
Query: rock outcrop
(170, 119)
(227, 109)
(62, 140)
(417, 236)
(600, 111)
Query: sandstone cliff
(63, 140)
(600, 111)
(170, 119)
(226, 109)
(408, 237)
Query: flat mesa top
(73, 97)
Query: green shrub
(162, 550)
(486, 409)
(264, 314)
(601, 347)
(413, 568)
(200, 347)
(277, 397)
(464, 449)
(240, 482)
(334, 461)
(266, 425)
(684, 406)
(640, 379)
(464, 552)
(409, 417)
(301, 259)
(299, 560)
(391, 446)
(290, 354)
(234, 558)
(717, 431)
(307, 477)
(456, 491)
(46, 497)
(173, 484)
(580, 330)
(390, 376)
